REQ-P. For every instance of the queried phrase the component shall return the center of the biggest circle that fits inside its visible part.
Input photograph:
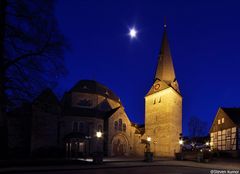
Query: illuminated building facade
(70, 125)
(225, 130)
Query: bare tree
(196, 127)
(31, 54)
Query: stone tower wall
(163, 121)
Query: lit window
(81, 147)
(228, 145)
(219, 121)
(222, 120)
(228, 134)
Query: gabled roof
(233, 114)
(157, 86)
(47, 96)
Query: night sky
(204, 38)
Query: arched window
(116, 125)
(124, 127)
(100, 128)
(120, 124)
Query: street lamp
(181, 142)
(148, 155)
(207, 143)
(98, 155)
(99, 134)
(149, 139)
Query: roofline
(164, 90)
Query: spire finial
(165, 22)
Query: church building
(91, 118)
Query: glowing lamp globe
(99, 134)
(181, 142)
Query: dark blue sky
(204, 39)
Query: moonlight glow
(133, 32)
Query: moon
(132, 33)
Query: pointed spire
(165, 70)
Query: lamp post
(181, 144)
(148, 144)
(148, 153)
(98, 155)
(180, 141)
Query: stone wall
(163, 121)
(125, 137)
(44, 130)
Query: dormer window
(84, 103)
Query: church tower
(163, 106)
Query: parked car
(201, 147)
(187, 147)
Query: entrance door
(119, 146)
(76, 149)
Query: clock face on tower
(156, 87)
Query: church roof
(165, 74)
(165, 70)
(233, 114)
(93, 87)
(89, 112)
